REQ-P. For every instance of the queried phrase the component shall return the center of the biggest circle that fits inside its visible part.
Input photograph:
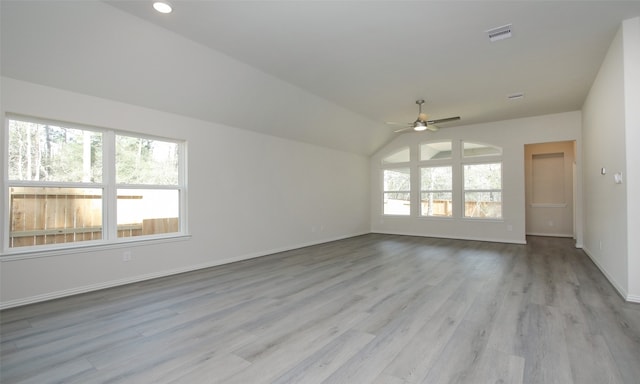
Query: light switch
(617, 177)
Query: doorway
(550, 189)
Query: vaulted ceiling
(370, 58)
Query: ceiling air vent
(499, 33)
(515, 96)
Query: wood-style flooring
(370, 309)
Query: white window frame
(108, 186)
(384, 191)
(443, 165)
(451, 162)
(494, 160)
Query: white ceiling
(377, 57)
(372, 58)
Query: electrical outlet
(126, 256)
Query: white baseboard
(439, 236)
(134, 279)
(550, 234)
(633, 299)
(621, 291)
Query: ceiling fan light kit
(162, 6)
(419, 126)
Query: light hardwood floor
(370, 309)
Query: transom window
(435, 150)
(470, 149)
(74, 184)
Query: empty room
(320, 191)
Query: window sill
(19, 254)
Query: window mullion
(110, 189)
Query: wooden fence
(50, 217)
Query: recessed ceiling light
(162, 6)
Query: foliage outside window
(436, 191)
(483, 190)
(397, 191)
(60, 191)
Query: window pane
(54, 215)
(436, 204)
(146, 161)
(396, 196)
(483, 176)
(435, 151)
(147, 211)
(402, 156)
(397, 179)
(478, 149)
(483, 204)
(44, 152)
(397, 203)
(435, 179)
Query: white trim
(550, 234)
(621, 291)
(548, 205)
(633, 298)
(155, 275)
(440, 236)
(127, 242)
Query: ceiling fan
(421, 122)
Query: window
(435, 151)
(148, 194)
(470, 149)
(397, 191)
(436, 191)
(454, 180)
(61, 187)
(483, 190)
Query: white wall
(631, 47)
(511, 135)
(611, 141)
(249, 194)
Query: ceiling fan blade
(432, 128)
(396, 123)
(403, 129)
(445, 120)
